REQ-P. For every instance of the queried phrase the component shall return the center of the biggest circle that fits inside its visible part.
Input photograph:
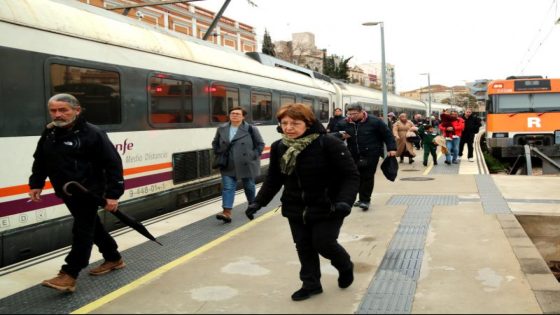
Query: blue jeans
(229, 184)
(452, 148)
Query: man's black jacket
(82, 153)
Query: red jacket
(458, 126)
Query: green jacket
(427, 138)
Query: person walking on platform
(402, 129)
(71, 149)
(320, 183)
(454, 131)
(430, 146)
(472, 126)
(365, 136)
(391, 120)
(335, 119)
(239, 146)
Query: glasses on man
(353, 113)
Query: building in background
(373, 70)
(479, 89)
(187, 19)
(454, 95)
(301, 50)
(357, 76)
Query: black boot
(345, 278)
(304, 294)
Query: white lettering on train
(533, 121)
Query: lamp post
(383, 67)
(429, 96)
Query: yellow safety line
(427, 171)
(156, 273)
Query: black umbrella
(124, 218)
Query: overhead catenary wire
(536, 44)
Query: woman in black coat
(320, 183)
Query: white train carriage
(159, 96)
(372, 100)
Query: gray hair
(66, 98)
(356, 107)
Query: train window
(261, 106)
(307, 102)
(509, 103)
(97, 90)
(223, 98)
(546, 101)
(170, 101)
(287, 99)
(324, 109)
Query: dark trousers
(367, 178)
(430, 149)
(468, 139)
(318, 238)
(86, 231)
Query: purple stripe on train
(22, 205)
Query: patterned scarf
(295, 146)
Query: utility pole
(216, 20)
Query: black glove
(252, 209)
(342, 209)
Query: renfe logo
(533, 122)
(123, 147)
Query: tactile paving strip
(492, 200)
(140, 260)
(392, 289)
(443, 168)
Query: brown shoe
(225, 216)
(107, 267)
(62, 282)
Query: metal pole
(429, 99)
(383, 73)
(216, 20)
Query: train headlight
(500, 135)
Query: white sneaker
(471, 160)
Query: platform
(449, 243)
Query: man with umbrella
(71, 149)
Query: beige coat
(399, 131)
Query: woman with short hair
(320, 182)
(240, 146)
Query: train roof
(392, 99)
(76, 19)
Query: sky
(456, 41)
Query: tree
(334, 70)
(268, 46)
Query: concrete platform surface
(473, 262)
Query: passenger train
(523, 110)
(159, 95)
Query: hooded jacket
(324, 175)
(82, 153)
